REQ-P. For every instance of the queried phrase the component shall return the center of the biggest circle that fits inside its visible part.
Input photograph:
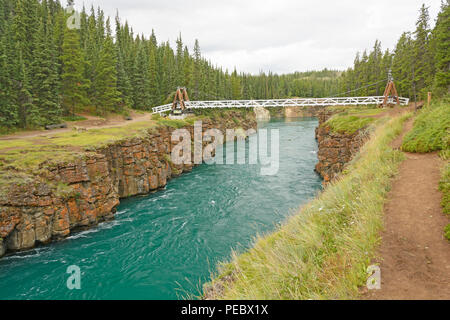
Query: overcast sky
(272, 35)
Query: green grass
(29, 153)
(349, 119)
(347, 123)
(321, 252)
(431, 131)
(368, 110)
(444, 187)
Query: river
(166, 244)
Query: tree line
(49, 69)
(419, 63)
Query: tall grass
(347, 123)
(444, 187)
(323, 251)
(431, 130)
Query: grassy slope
(323, 251)
(431, 130)
(351, 119)
(27, 153)
(444, 187)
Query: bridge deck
(297, 102)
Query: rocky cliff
(295, 112)
(335, 148)
(65, 197)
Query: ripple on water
(167, 243)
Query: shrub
(444, 186)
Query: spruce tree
(74, 85)
(441, 35)
(107, 95)
(422, 58)
(141, 80)
(45, 76)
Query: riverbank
(162, 245)
(51, 186)
(323, 251)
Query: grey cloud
(276, 35)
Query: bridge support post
(181, 96)
(390, 89)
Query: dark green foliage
(441, 40)
(107, 97)
(48, 70)
(74, 85)
(45, 78)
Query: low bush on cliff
(431, 130)
(347, 123)
(323, 251)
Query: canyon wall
(66, 197)
(335, 149)
(295, 112)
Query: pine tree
(180, 77)
(422, 58)
(441, 35)
(45, 76)
(402, 65)
(74, 85)
(197, 70)
(107, 95)
(141, 80)
(9, 116)
(153, 80)
(27, 112)
(236, 90)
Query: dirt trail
(89, 123)
(415, 256)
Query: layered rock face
(335, 149)
(80, 194)
(262, 113)
(297, 112)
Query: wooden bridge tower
(390, 91)
(178, 105)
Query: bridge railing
(297, 102)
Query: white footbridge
(294, 102)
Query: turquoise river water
(166, 244)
